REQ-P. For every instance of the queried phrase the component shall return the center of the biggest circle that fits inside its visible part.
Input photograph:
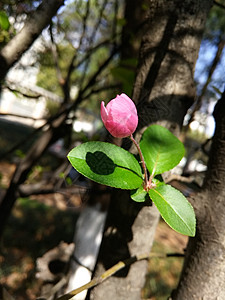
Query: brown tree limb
(21, 116)
(31, 91)
(164, 90)
(13, 90)
(33, 27)
(55, 55)
(66, 85)
(219, 4)
(116, 268)
(204, 267)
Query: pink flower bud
(120, 116)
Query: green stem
(146, 185)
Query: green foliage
(107, 164)
(139, 195)
(4, 28)
(162, 151)
(174, 208)
(4, 21)
(113, 166)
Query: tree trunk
(164, 90)
(204, 268)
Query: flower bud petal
(120, 116)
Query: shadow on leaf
(100, 163)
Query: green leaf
(174, 208)
(107, 164)
(139, 195)
(4, 21)
(158, 180)
(162, 151)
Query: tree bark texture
(204, 268)
(163, 91)
(32, 28)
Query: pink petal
(120, 116)
(117, 130)
(104, 113)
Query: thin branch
(33, 27)
(219, 4)
(91, 41)
(179, 178)
(93, 79)
(212, 68)
(90, 83)
(115, 20)
(21, 116)
(55, 55)
(100, 89)
(36, 90)
(146, 186)
(120, 265)
(42, 188)
(98, 22)
(21, 93)
(90, 51)
(66, 85)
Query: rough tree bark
(204, 268)
(164, 90)
(32, 28)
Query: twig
(217, 57)
(142, 161)
(219, 4)
(21, 116)
(93, 79)
(89, 52)
(179, 178)
(120, 265)
(36, 91)
(100, 89)
(98, 22)
(37, 96)
(91, 39)
(66, 85)
(55, 55)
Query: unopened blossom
(120, 116)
